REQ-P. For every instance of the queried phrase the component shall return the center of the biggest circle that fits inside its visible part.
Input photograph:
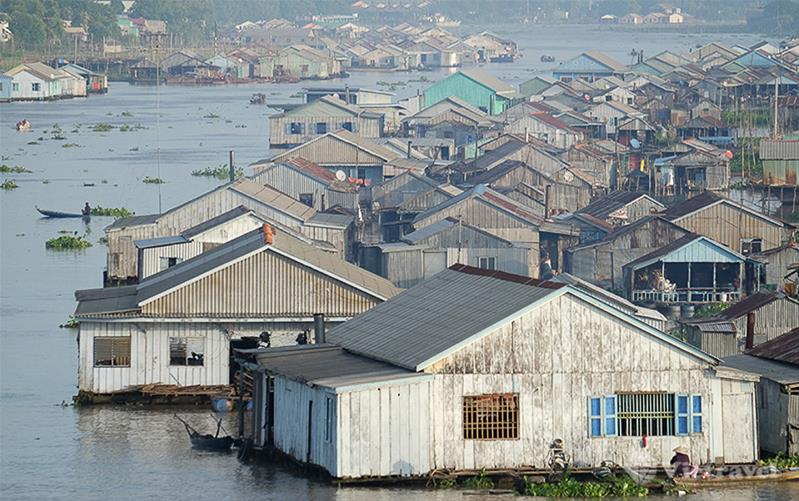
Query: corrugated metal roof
(775, 149)
(604, 206)
(125, 222)
(445, 224)
(715, 252)
(439, 313)
(747, 305)
(490, 81)
(107, 300)
(328, 366)
(216, 221)
(717, 327)
(150, 243)
(776, 371)
(274, 198)
(331, 220)
(783, 348)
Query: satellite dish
(341, 175)
(568, 176)
(635, 143)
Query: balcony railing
(686, 296)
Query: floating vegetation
(67, 242)
(70, 145)
(228, 121)
(102, 127)
(115, 212)
(74, 131)
(33, 142)
(135, 148)
(102, 241)
(9, 185)
(126, 114)
(221, 172)
(14, 170)
(241, 126)
(420, 79)
(152, 180)
(570, 488)
(71, 323)
(46, 181)
(59, 137)
(211, 115)
(781, 461)
(479, 482)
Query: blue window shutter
(696, 413)
(610, 416)
(681, 413)
(594, 417)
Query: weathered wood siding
(331, 151)
(265, 284)
(149, 351)
(728, 225)
(122, 256)
(294, 183)
(564, 196)
(718, 344)
(601, 263)
(778, 263)
(279, 127)
(642, 207)
(775, 418)
(292, 420)
(384, 431)
(560, 138)
(771, 320)
(150, 259)
(543, 356)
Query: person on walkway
(682, 463)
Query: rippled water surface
(50, 451)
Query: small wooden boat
(502, 58)
(258, 98)
(59, 214)
(737, 479)
(547, 59)
(208, 442)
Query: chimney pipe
(750, 330)
(319, 328)
(547, 201)
(409, 150)
(347, 93)
(232, 170)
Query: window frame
(36, 87)
(488, 259)
(296, 128)
(603, 416)
(320, 128)
(187, 351)
(113, 340)
(14, 86)
(494, 430)
(329, 419)
(751, 243)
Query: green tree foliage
(39, 23)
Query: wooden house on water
(690, 270)
(160, 253)
(397, 201)
(177, 327)
(777, 364)
(267, 203)
(778, 263)
(311, 184)
(780, 162)
(756, 319)
(359, 158)
(740, 228)
(481, 90)
(478, 369)
(601, 261)
(423, 253)
(622, 207)
(301, 124)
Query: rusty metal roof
(748, 305)
(784, 348)
(779, 149)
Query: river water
(54, 451)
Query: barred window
(112, 351)
(491, 417)
(186, 351)
(639, 414)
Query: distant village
(452, 281)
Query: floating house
(423, 253)
(357, 157)
(477, 88)
(311, 184)
(590, 66)
(622, 207)
(700, 270)
(601, 262)
(274, 206)
(737, 226)
(178, 326)
(407, 388)
(158, 254)
(39, 82)
(96, 83)
(303, 123)
(777, 364)
(780, 161)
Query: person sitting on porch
(663, 284)
(682, 463)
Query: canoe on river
(694, 483)
(58, 214)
